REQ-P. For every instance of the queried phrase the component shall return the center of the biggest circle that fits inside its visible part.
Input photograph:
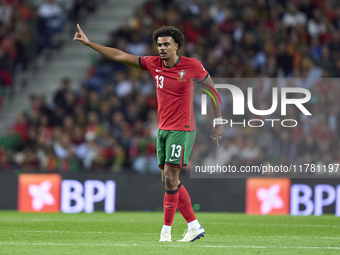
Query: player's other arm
(111, 53)
(217, 130)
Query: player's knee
(169, 181)
(171, 177)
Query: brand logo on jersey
(181, 74)
(158, 70)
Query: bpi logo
(277, 196)
(267, 196)
(76, 197)
(39, 193)
(239, 102)
(49, 193)
(325, 195)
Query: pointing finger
(79, 28)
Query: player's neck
(171, 61)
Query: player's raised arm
(111, 53)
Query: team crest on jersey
(181, 74)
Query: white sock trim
(193, 224)
(165, 227)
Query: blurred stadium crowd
(110, 123)
(28, 27)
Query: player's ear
(176, 46)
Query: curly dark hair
(172, 31)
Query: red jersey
(174, 91)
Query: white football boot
(165, 236)
(193, 234)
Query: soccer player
(176, 134)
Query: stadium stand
(30, 28)
(110, 123)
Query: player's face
(166, 47)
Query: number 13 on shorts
(174, 147)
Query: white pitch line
(275, 225)
(274, 237)
(154, 245)
(133, 233)
(73, 232)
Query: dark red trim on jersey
(179, 58)
(206, 77)
(160, 165)
(196, 81)
(140, 62)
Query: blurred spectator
(293, 17)
(11, 140)
(6, 11)
(316, 25)
(124, 86)
(284, 60)
(51, 21)
(60, 95)
(250, 152)
(26, 29)
(307, 146)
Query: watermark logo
(210, 91)
(238, 107)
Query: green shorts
(174, 147)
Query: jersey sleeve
(144, 63)
(200, 72)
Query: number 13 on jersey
(159, 81)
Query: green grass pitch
(138, 233)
